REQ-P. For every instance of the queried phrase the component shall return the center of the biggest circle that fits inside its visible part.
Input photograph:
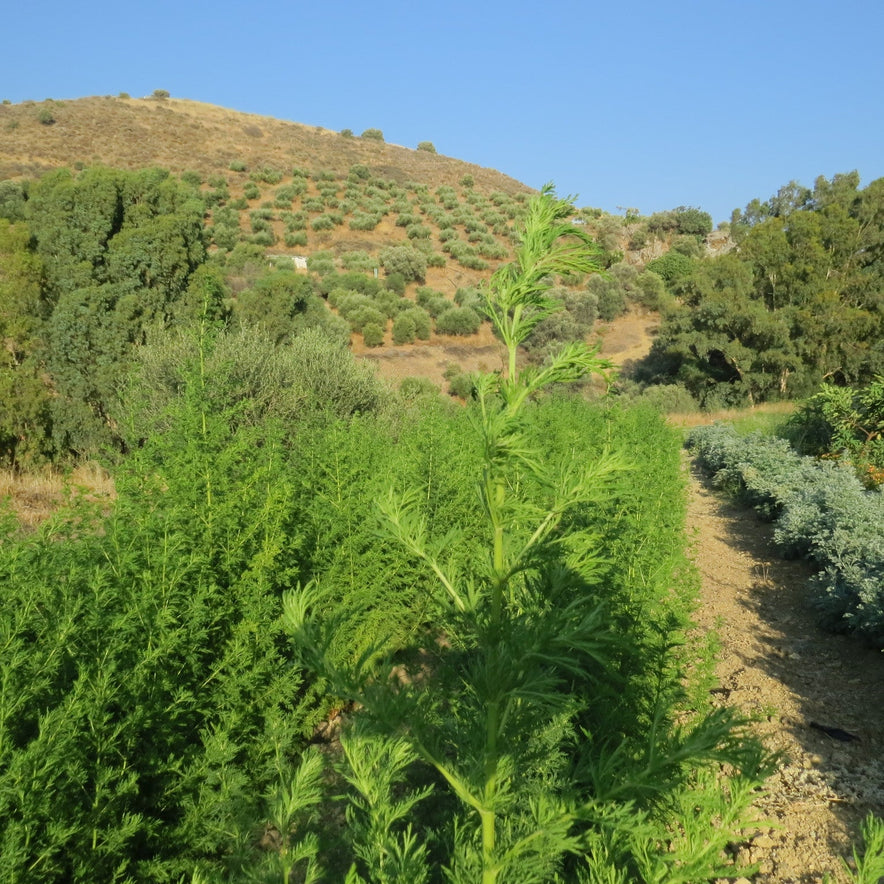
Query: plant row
(154, 719)
(822, 512)
(361, 201)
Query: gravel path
(780, 668)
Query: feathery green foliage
(145, 699)
(544, 703)
(870, 862)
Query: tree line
(798, 302)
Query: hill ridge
(184, 134)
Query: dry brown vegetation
(182, 135)
(34, 496)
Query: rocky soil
(816, 697)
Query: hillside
(293, 189)
(183, 135)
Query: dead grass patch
(34, 496)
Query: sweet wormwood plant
(518, 647)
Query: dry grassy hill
(182, 135)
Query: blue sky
(637, 104)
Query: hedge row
(822, 513)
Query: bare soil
(428, 359)
(629, 337)
(624, 339)
(779, 667)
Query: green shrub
(671, 267)
(412, 388)
(347, 133)
(458, 321)
(652, 291)
(364, 221)
(638, 240)
(266, 175)
(359, 172)
(424, 294)
(492, 250)
(259, 220)
(421, 320)
(290, 192)
(295, 238)
(357, 282)
(358, 260)
(418, 231)
(323, 222)
(395, 282)
(469, 296)
(251, 191)
(669, 398)
(688, 246)
(360, 311)
(373, 135)
(844, 422)
(237, 166)
(321, 263)
(45, 116)
(336, 294)
(195, 178)
(407, 261)
(312, 204)
(460, 383)
(465, 254)
(373, 334)
(427, 146)
(404, 330)
(295, 220)
(225, 237)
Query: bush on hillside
(458, 321)
(266, 175)
(404, 330)
(407, 261)
(364, 220)
(421, 320)
(373, 334)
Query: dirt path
(778, 667)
